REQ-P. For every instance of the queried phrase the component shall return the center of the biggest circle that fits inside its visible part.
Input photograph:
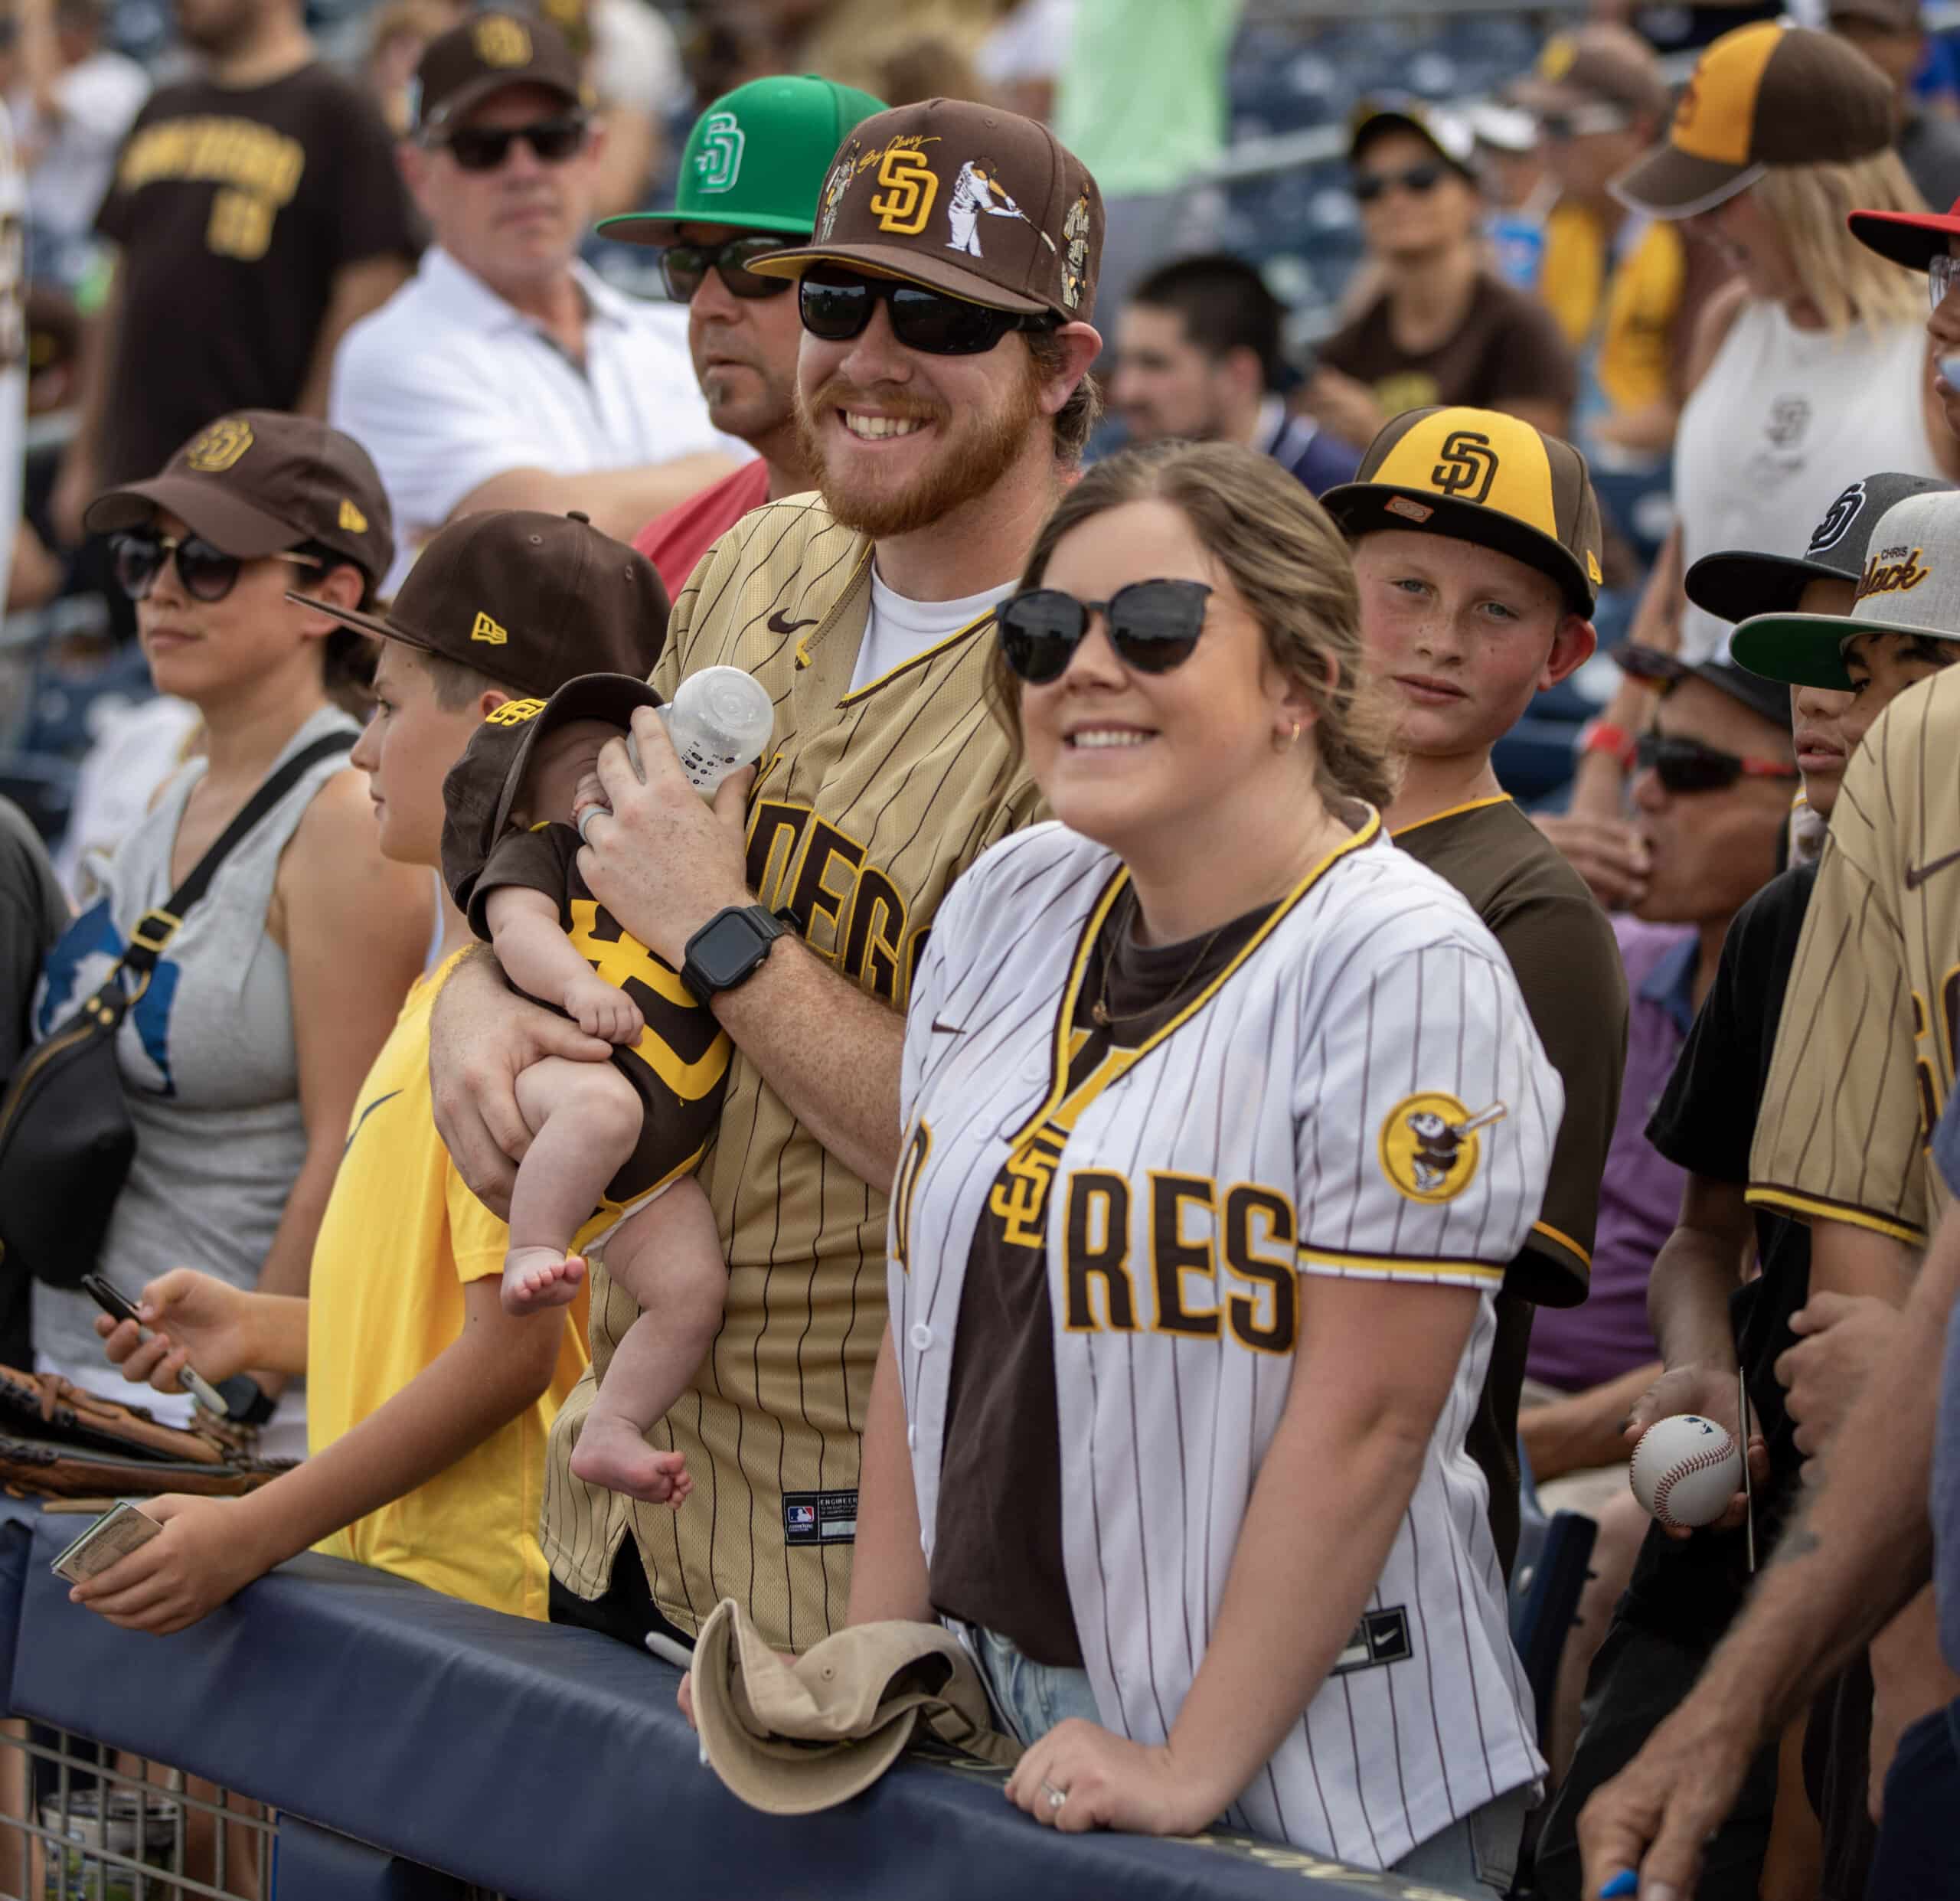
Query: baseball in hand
(1685, 1470)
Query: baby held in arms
(614, 1144)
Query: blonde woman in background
(1811, 367)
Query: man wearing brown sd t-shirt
(1477, 546)
(1441, 329)
(257, 213)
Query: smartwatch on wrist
(729, 949)
(245, 1402)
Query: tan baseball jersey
(1864, 1056)
(867, 808)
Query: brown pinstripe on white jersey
(870, 805)
(1865, 1049)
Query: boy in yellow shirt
(428, 1405)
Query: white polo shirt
(447, 385)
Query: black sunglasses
(683, 268)
(1421, 179)
(1684, 765)
(484, 148)
(1153, 626)
(208, 573)
(837, 304)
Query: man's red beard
(970, 460)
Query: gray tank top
(208, 1066)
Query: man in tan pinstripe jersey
(942, 391)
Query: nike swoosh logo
(777, 625)
(364, 1114)
(1916, 875)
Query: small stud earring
(1292, 740)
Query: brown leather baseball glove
(59, 1441)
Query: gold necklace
(1100, 1012)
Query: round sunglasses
(208, 573)
(484, 148)
(836, 305)
(683, 268)
(1683, 764)
(1153, 625)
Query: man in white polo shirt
(505, 374)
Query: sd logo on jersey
(1429, 1145)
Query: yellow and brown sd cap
(1596, 66)
(968, 199)
(259, 482)
(532, 600)
(483, 785)
(487, 53)
(794, 1737)
(1477, 476)
(1763, 96)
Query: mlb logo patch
(800, 1517)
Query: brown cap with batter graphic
(968, 199)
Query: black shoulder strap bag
(66, 1141)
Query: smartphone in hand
(118, 1306)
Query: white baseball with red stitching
(1685, 1470)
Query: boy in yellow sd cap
(1477, 543)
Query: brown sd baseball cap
(1477, 475)
(793, 1738)
(532, 600)
(1888, 16)
(1596, 66)
(968, 199)
(487, 53)
(1763, 96)
(259, 482)
(481, 788)
(1452, 139)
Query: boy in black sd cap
(609, 1139)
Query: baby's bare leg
(585, 1120)
(668, 1257)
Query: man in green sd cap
(754, 164)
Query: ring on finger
(1056, 1796)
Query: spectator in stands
(1812, 363)
(429, 1404)
(507, 374)
(1208, 910)
(871, 638)
(240, 1060)
(1682, 1594)
(1469, 607)
(257, 214)
(73, 100)
(1443, 329)
(750, 176)
(34, 912)
(1198, 356)
(1628, 290)
(1891, 35)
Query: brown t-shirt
(1567, 964)
(1508, 349)
(996, 1548)
(233, 208)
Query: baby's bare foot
(540, 1277)
(611, 1454)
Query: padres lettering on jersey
(1865, 1049)
(1358, 1094)
(871, 804)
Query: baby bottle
(719, 720)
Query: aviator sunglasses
(1420, 180)
(484, 148)
(1153, 626)
(208, 573)
(836, 305)
(683, 268)
(1684, 765)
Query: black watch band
(729, 949)
(245, 1402)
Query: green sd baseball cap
(755, 160)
